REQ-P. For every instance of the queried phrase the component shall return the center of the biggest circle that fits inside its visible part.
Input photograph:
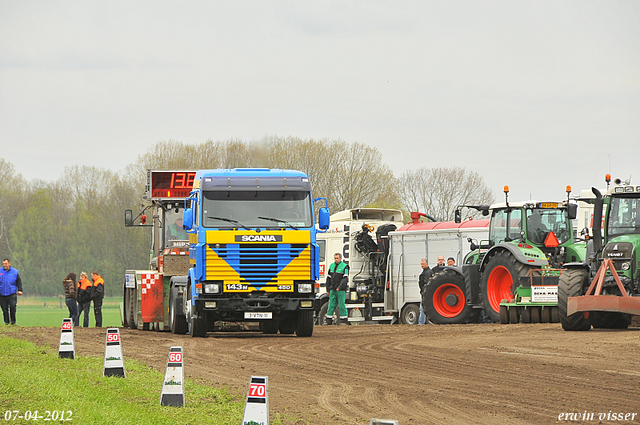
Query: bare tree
(439, 191)
(349, 175)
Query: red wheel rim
(440, 300)
(499, 287)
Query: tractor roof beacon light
(607, 178)
(568, 192)
(506, 195)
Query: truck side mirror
(128, 218)
(187, 219)
(458, 216)
(572, 211)
(323, 218)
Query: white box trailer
(392, 294)
(341, 238)
(409, 244)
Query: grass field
(34, 379)
(36, 311)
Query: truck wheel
(570, 284)
(323, 313)
(132, 309)
(444, 300)
(304, 327)
(197, 326)
(609, 320)
(287, 326)
(500, 279)
(177, 322)
(410, 314)
(269, 327)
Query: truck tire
(444, 301)
(323, 313)
(410, 314)
(500, 279)
(177, 322)
(609, 320)
(269, 327)
(196, 324)
(287, 325)
(570, 284)
(304, 327)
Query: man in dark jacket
(422, 282)
(97, 294)
(337, 282)
(440, 266)
(84, 298)
(10, 288)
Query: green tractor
(604, 290)
(513, 276)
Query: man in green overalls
(337, 282)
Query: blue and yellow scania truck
(253, 252)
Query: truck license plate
(254, 315)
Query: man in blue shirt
(10, 288)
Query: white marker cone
(113, 362)
(173, 384)
(256, 409)
(67, 349)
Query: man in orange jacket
(97, 294)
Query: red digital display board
(171, 184)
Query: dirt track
(456, 374)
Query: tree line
(74, 224)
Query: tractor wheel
(609, 320)
(514, 318)
(177, 322)
(444, 300)
(555, 318)
(535, 315)
(570, 284)
(526, 315)
(500, 279)
(546, 315)
(410, 314)
(304, 327)
(504, 314)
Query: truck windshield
(225, 209)
(541, 221)
(623, 216)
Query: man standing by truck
(337, 281)
(422, 281)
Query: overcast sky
(533, 94)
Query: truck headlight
(626, 265)
(211, 288)
(304, 288)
